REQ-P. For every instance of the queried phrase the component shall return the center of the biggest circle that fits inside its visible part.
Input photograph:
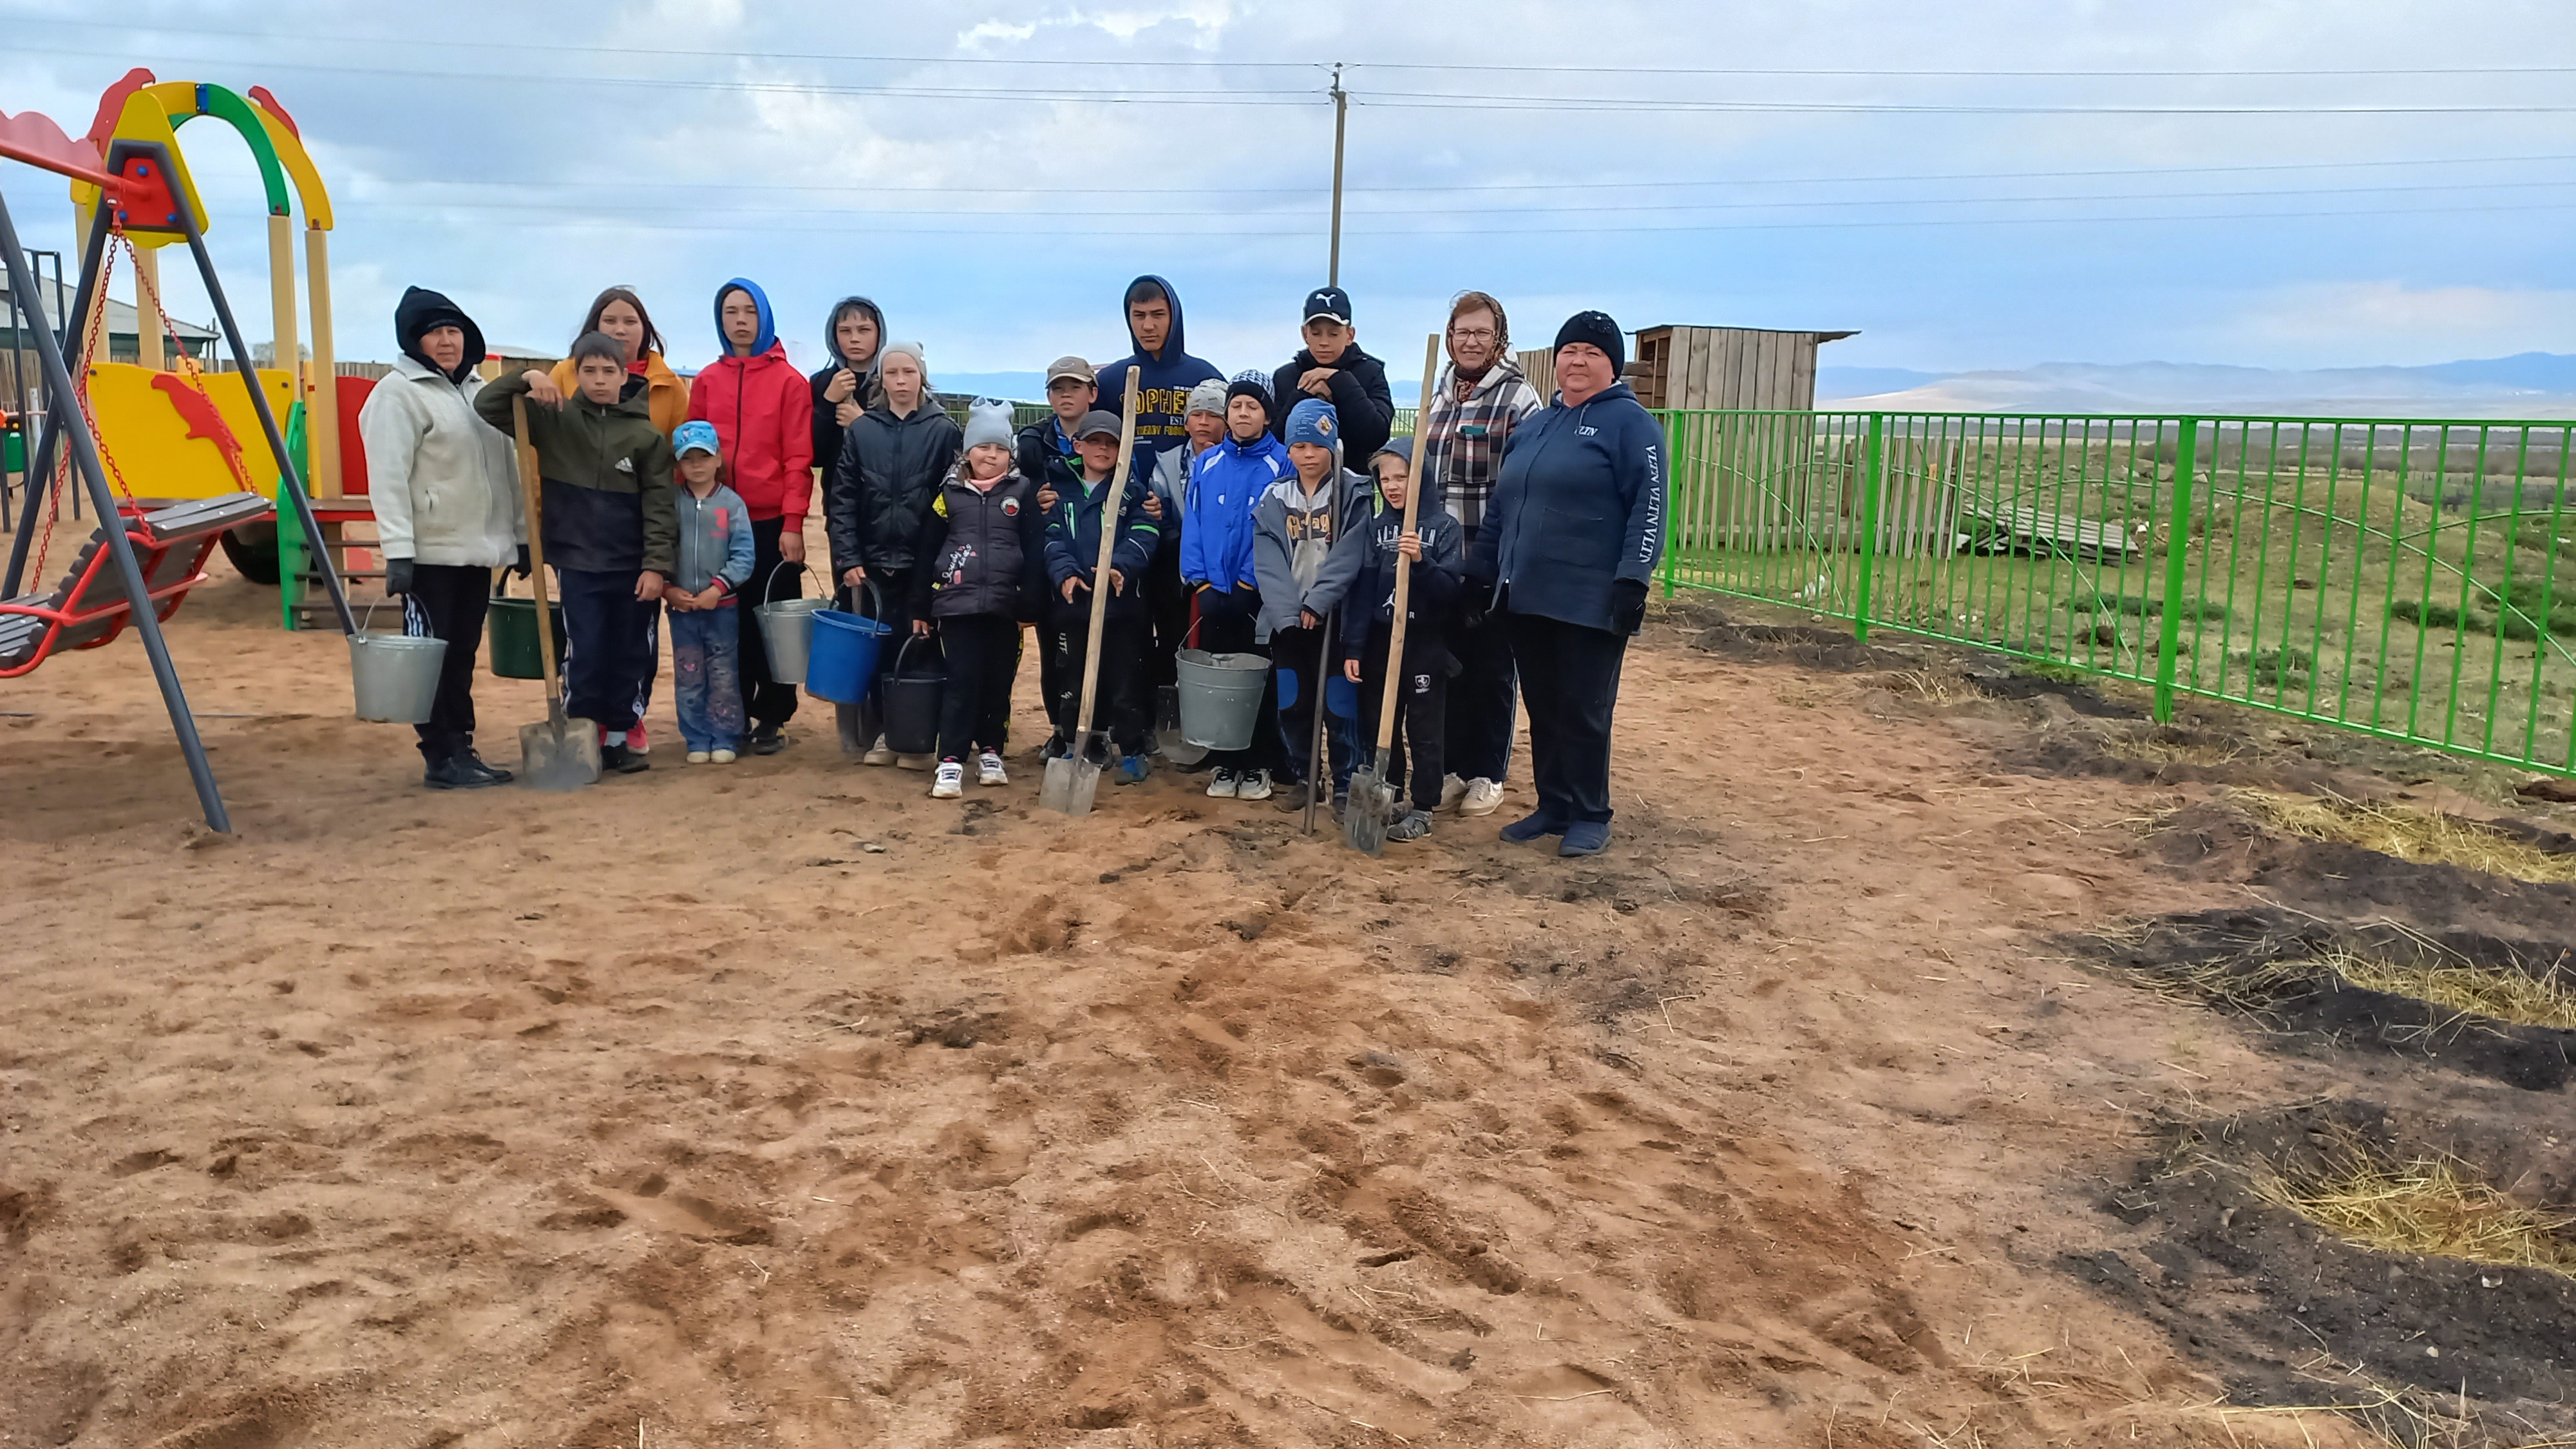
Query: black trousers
(1481, 701)
(983, 653)
(448, 601)
(604, 658)
(1294, 678)
(1268, 750)
(1169, 597)
(1571, 674)
(893, 604)
(1421, 709)
(765, 701)
(1118, 703)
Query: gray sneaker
(1413, 826)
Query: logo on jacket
(1586, 432)
(1010, 508)
(626, 466)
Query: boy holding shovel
(1106, 496)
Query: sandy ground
(781, 1104)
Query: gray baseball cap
(1096, 422)
(1072, 367)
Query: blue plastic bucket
(842, 666)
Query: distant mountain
(2531, 384)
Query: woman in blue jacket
(1570, 542)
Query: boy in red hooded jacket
(763, 411)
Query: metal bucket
(1220, 697)
(395, 676)
(787, 629)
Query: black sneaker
(1413, 826)
(619, 760)
(471, 764)
(765, 740)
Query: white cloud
(2386, 321)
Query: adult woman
(620, 313)
(1571, 539)
(446, 495)
(876, 499)
(844, 388)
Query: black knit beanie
(1597, 329)
(1253, 385)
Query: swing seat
(89, 607)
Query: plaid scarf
(1466, 438)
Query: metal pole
(65, 407)
(40, 464)
(1341, 114)
(2177, 540)
(258, 397)
(1874, 484)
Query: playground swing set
(140, 562)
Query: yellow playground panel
(169, 440)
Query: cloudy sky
(2272, 182)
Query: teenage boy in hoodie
(1359, 580)
(1045, 455)
(876, 501)
(1332, 367)
(611, 528)
(983, 553)
(1203, 419)
(1072, 555)
(711, 564)
(763, 411)
(1216, 563)
(1163, 392)
(1295, 527)
(447, 513)
(847, 385)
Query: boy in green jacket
(610, 525)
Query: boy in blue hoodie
(1072, 555)
(1163, 393)
(1359, 579)
(1225, 484)
(710, 566)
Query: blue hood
(1176, 345)
(768, 337)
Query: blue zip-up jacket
(1226, 484)
(1163, 392)
(1359, 577)
(715, 541)
(1580, 503)
(1073, 545)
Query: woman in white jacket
(446, 493)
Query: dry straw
(2413, 835)
(2435, 1206)
(2501, 992)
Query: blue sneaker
(1532, 827)
(1133, 769)
(1585, 837)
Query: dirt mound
(2296, 1313)
(2215, 841)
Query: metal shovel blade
(559, 754)
(1370, 811)
(1072, 780)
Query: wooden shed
(1727, 367)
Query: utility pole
(1341, 114)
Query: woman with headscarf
(446, 494)
(620, 314)
(1571, 539)
(844, 388)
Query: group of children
(1252, 533)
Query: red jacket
(764, 416)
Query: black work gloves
(1475, 601)
(1627, 605)
(397, 576)
(521, 567)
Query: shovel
(562, 753)
(1373, 805)
(1074, 777)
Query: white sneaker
(1483, 797)
(1222, 785)
(698, 757)
(1452, 790)
(877, 754)
(988, 770)
(951, 782)
(1255, 785)
(721, 757)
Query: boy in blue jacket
(1072, 554)
(711, 564)
(1359, 579)
(1226, 482)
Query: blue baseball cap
(695, 437)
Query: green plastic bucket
(512, 628)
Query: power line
(1447, 100)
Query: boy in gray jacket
(1296, 526)
(710, 566)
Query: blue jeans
(706, 670)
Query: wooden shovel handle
(1403, 565)
(532, 500)
(1116, 491)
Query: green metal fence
(2414, 580)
